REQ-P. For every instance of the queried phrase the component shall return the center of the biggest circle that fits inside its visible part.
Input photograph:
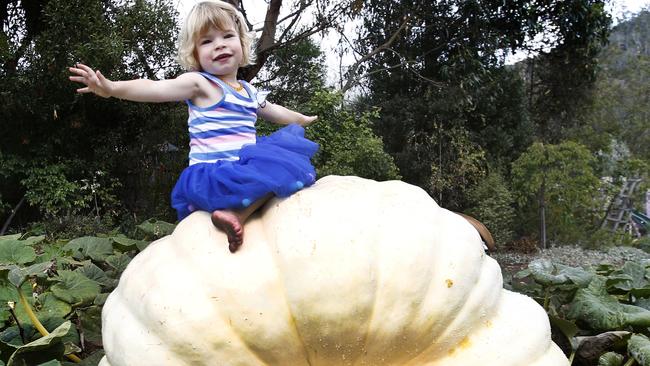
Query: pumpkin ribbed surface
(347, 272)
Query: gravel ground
(574, 256)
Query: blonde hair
(220, 15)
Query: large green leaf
(16, 252)
(91, 271)
(548, 273)
(50, 363)
(4, 238)
(156, 229)
(90, 247)
(639, 347)
(118, 262)
(124, 244)
(17, 275)
(73, 287)
(630, 276)
(611, 359)
(43, 349)
(29, 241)
(52, 306)
(601, 311)
(91, 323)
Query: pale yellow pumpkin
(347, 272)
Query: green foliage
(619, 110)
(561, 79)
(493, 205)
(68, 137)
(347, 144)
(559, 178)
(590, 305)
(65, 283)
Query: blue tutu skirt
(279, 164)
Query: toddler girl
(231, 172)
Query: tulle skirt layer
(278, 164)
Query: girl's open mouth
(222, 57)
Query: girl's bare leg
(232, 222)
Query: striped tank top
(219, 131)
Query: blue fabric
(279, 163)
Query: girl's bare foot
(230, 223)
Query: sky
(256, 10)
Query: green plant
(492, 203)
(599, 310)
(52, 292)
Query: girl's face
(219, 52)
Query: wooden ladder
(620, 208)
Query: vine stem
(630, 362)
(37, 324)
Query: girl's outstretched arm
(186, 86)
(278, 114)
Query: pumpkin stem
(37, 324)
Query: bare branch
(351, 81)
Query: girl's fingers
(85, 68)
(83, 90)
(79, 79)
(77, 71)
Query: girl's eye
(229, 35)
(204, 41)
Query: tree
(46, 124)
(559, 182)
(620, 107)
(348, 146)
(561, 79)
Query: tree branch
(351, 81)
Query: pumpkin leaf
(547, 273)
(118, 261)
(639, 347)
(17, 275)
(100, 299)
(156, 229)
(91, 247)
(16, 252)
(567, 328)
(633, 275)
(92, 272)
(50, 363)
(124, 244)
(16, 237)
(91, 323)
(4, 238)
(601, 311)
(73, 287)
(611, 359)
(43, 349)
(52, 306)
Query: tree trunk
(542, 217)
(11, 217)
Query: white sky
(256, 10)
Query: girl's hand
(94, 80)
